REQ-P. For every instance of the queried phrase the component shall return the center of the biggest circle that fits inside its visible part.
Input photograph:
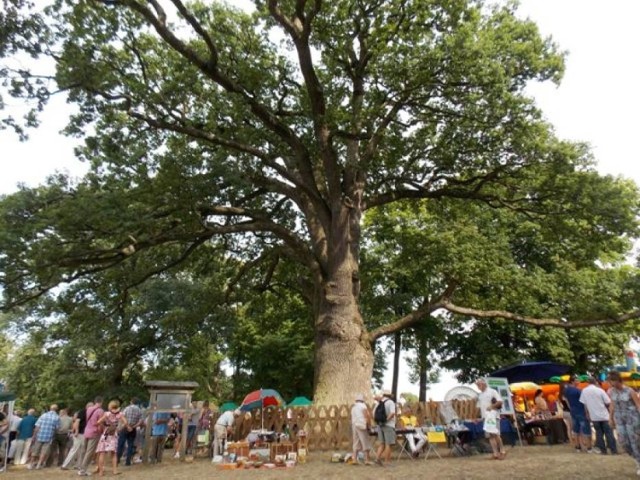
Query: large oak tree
(270, 134)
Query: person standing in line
(91, 435)
(625, 410)
(580, 423)
(204, 425)
(222, 429)
(386, 429)
(25, 435)
(14, 423)
(360, 424)
(566, 413)
(194, 418)
(61, 438)
(127, 436)
(108, 443)
(45, 430)
(76, 453)
(490, 402)
(159, 432)
(596, 403)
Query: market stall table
(474, 431)
(552, 428)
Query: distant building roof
(168, 385)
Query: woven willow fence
(329, 427)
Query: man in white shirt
(596, 403)
(360, 423)
(222, 428)
(490, 402)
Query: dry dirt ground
(530, 462)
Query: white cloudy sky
(598, 101)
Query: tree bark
(422, 355)
(397, 345)
(343, 355)
(343, 351)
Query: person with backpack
(385, 417)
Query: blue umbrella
(531, 371)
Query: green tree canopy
(272, 133)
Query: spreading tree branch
(540, 322)
(416, 316)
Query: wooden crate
(281, 448)
(241, 449)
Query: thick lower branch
(540, 322)
(404, 322)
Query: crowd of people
(587, 411)
(112, 436)
(107, 437)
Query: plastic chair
(434, 437)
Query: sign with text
(501, 385)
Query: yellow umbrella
(522, 390)
(523, 387)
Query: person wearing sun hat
(360, 423)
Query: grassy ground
(559, 462)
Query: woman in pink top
(109, 438)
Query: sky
(598, 102)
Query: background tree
(276, 131)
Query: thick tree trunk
(396, 363)
(343, 355)
(422, 355)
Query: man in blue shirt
(580, 424)
(45, 430)
(23, 440)
(159, 431)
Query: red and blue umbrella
(265, 397)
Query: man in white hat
(222, 428)
(360, 423)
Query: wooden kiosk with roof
(168, 397)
